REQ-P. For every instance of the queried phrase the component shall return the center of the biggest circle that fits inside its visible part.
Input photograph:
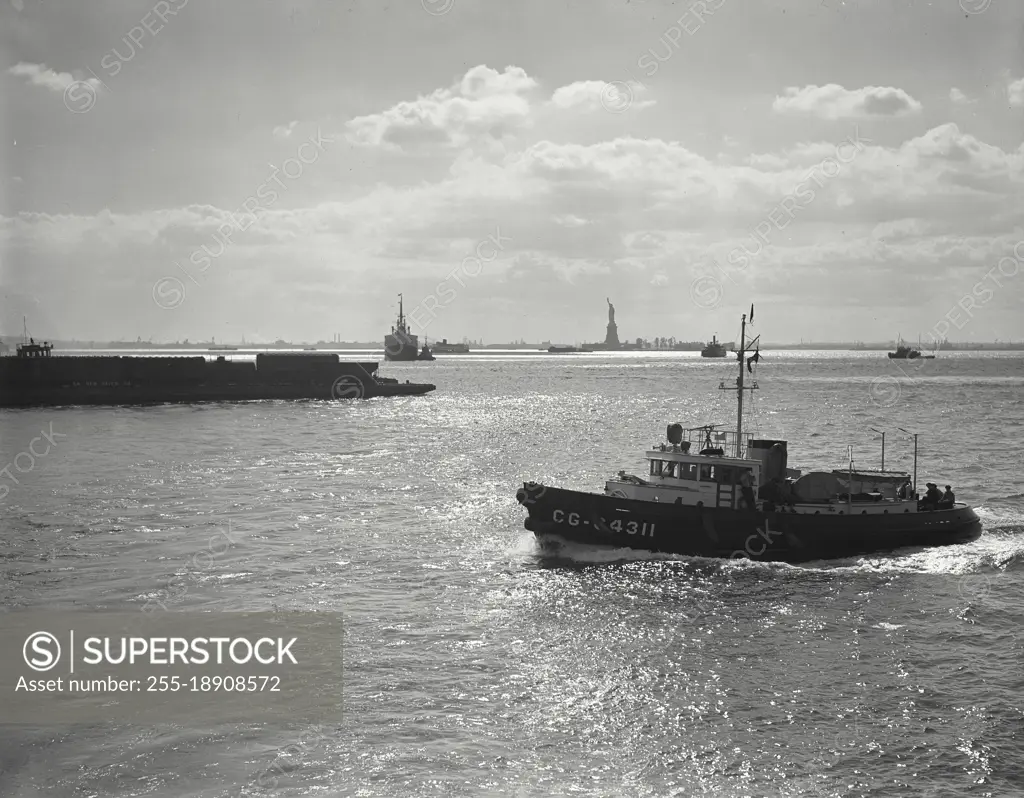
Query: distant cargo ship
(33, 378)
(445, 348)
(403, 345)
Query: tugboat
(714, 348)
(709, 492)
(403, 345)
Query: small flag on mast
(751, 313)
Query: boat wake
(554, 549)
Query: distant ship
(402, 345)
(564, 349)
(223, 348)
(445, 348)
(904, 352)
(714, 348)
(33, 378)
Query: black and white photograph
(518, 398)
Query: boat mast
(739, 385)
(849, 489)
(914, 434)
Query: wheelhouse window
(688, 471)
(669, 469)
(655, 468)
(707, 473)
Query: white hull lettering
(643, 529)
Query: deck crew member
(932, 497)
(747, 489)
(948, 498)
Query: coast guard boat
(712, 492)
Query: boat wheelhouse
(759, 476)
(32, 349)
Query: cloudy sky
(284, 169)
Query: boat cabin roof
(875, 476)
(676, 454)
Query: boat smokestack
(773, 457)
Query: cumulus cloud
(957, 96)
(484, 103)
(835, 102)
(648, 197)
(595, 95)
(41, 75)
(285, 131)
(1015, 93)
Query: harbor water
(473, 664)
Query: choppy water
(475, 667)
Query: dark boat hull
(61, 381)
(703, 532)
(401, 355)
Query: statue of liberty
(611, 339)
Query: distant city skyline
(186, 169)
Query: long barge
(32, 378)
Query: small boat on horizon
(709, 492)
(442, 347)
(904, 352)
(714, 348)
(565, 349)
